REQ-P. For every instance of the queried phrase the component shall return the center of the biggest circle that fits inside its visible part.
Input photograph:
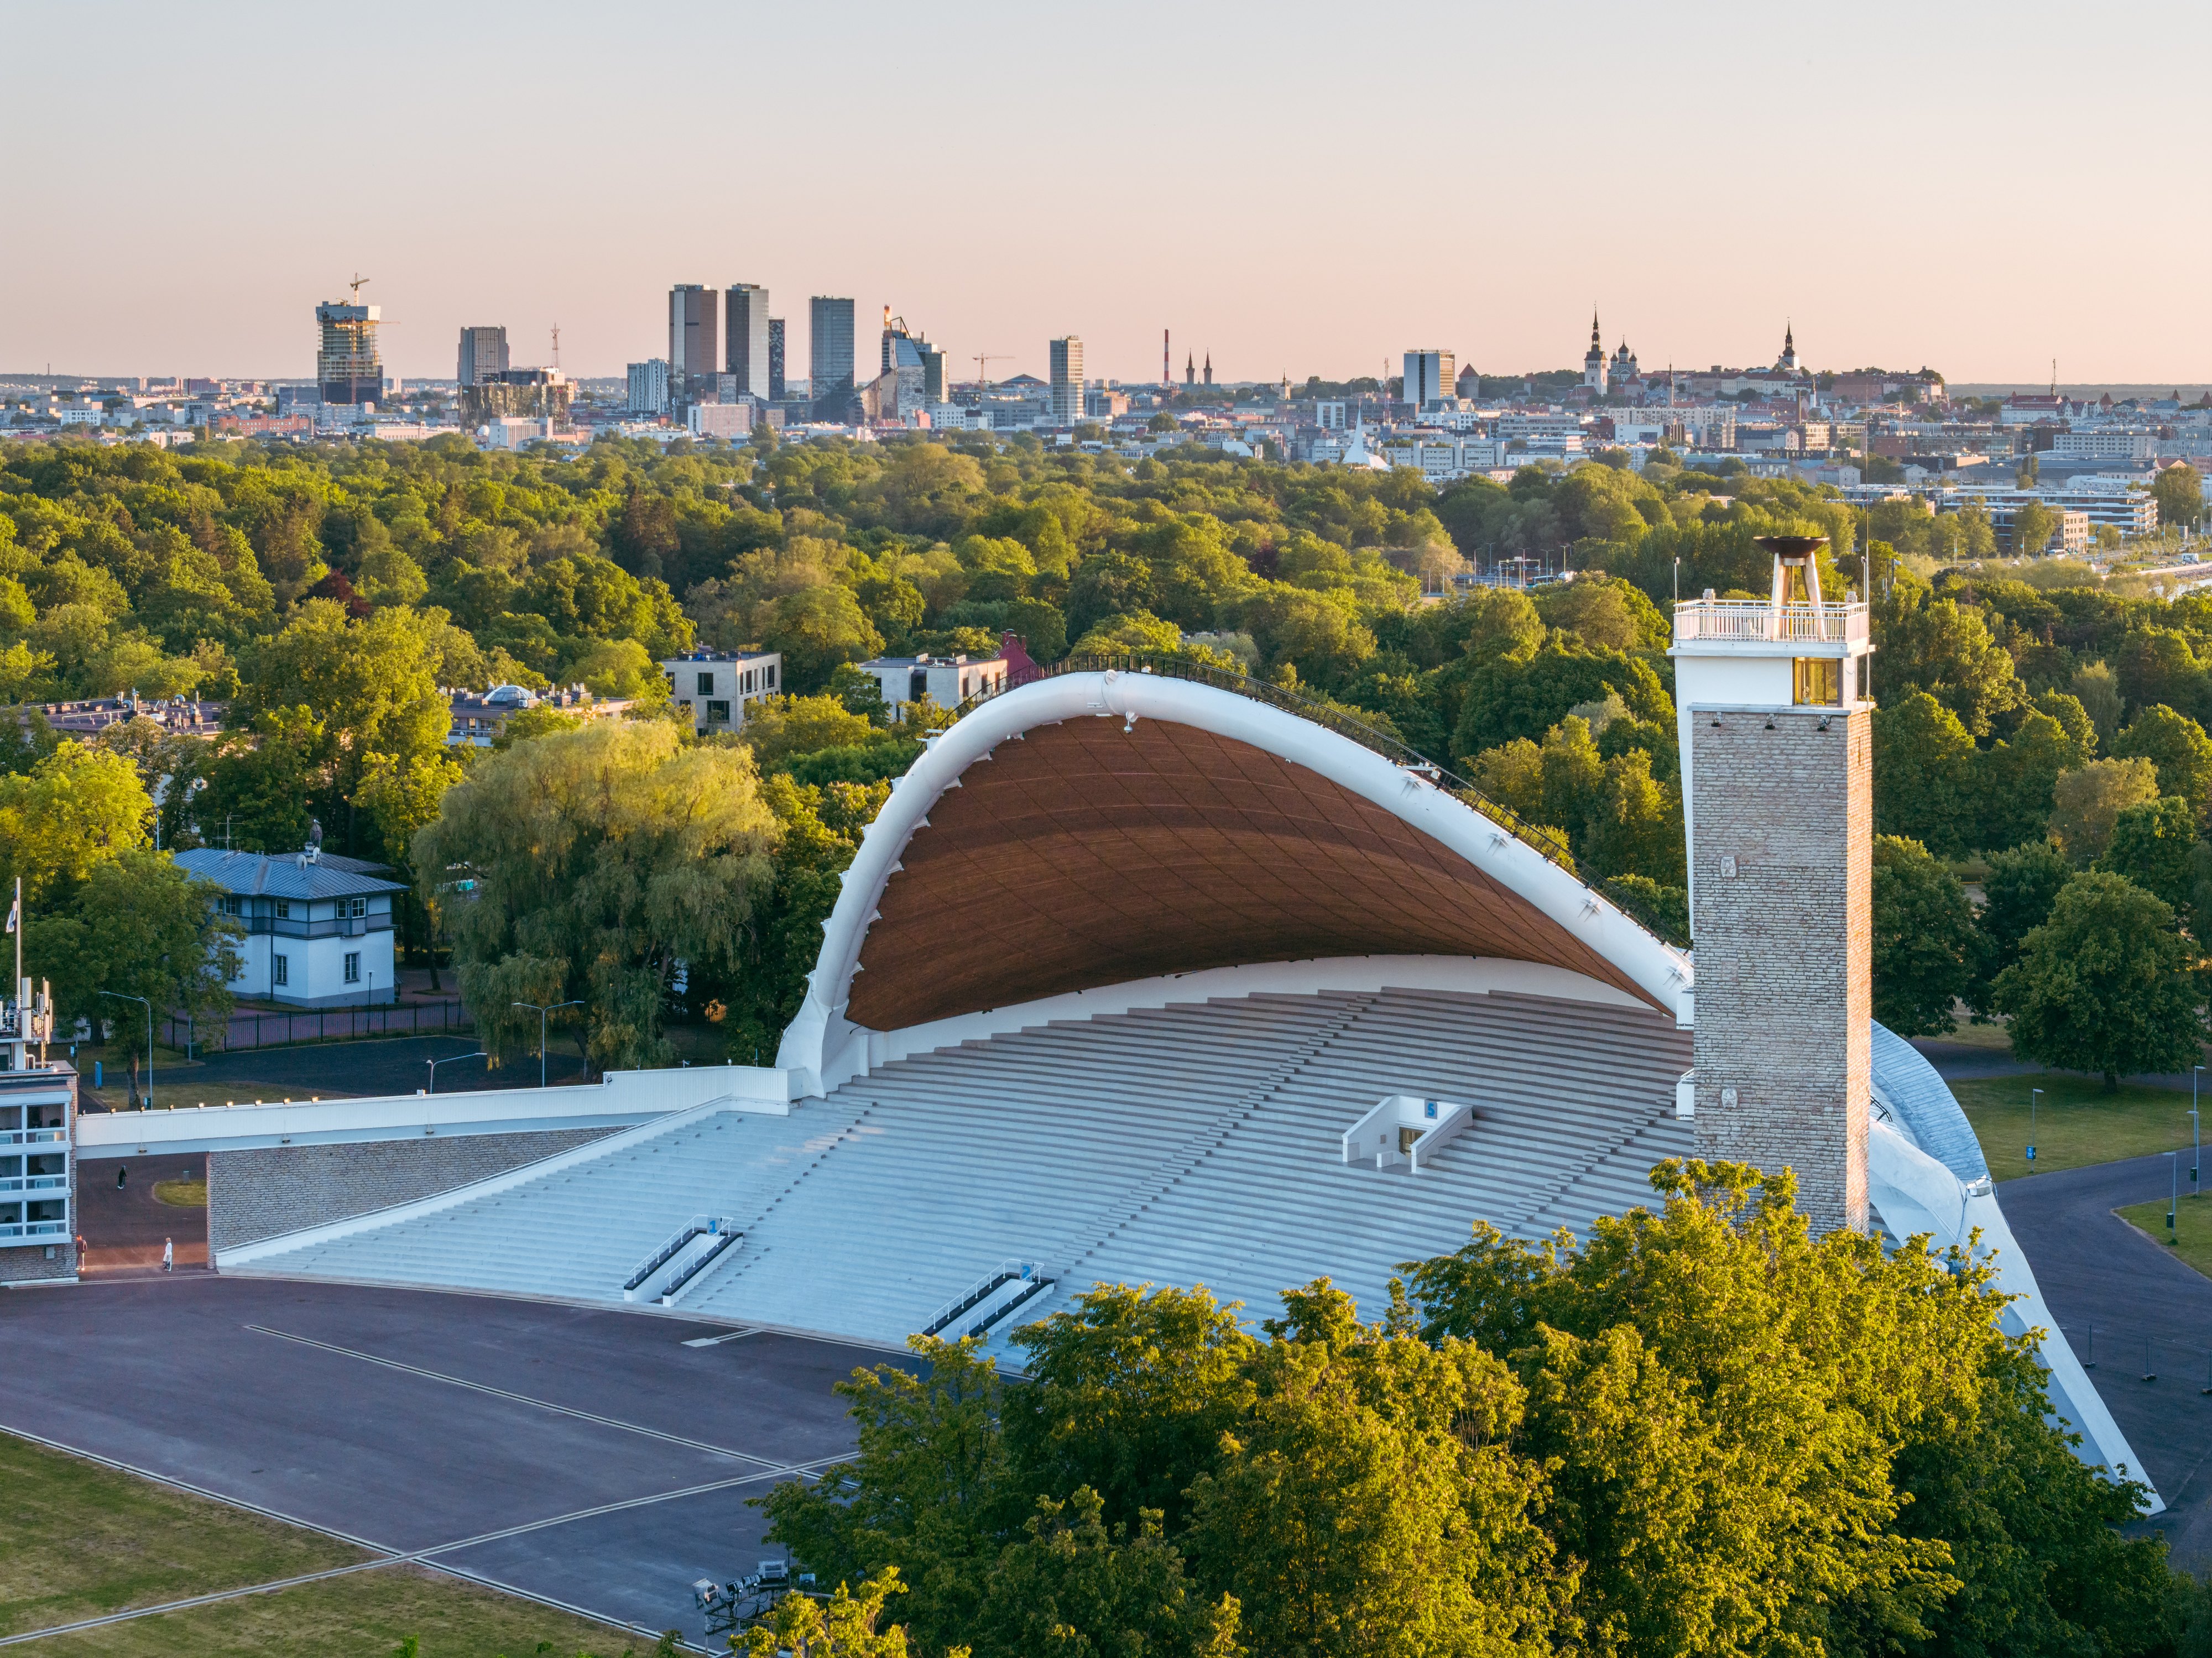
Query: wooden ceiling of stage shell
(1085, 855)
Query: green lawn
(78, 1541)
(2077, 1123)
(2193, 1224)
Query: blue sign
(2031, 1154)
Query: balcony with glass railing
(1759, 621)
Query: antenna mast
(556, 346)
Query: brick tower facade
(1778, 789)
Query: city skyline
(1702, 186)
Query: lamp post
(2196, 1131)
(2173, 1200)
(448, 1060)
(541, 1013)
(122, 996)
(2032, 1093)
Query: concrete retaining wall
(260, 1193)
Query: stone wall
(1783, 858)
(30, 1263)
(260, 1193)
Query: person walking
(168, 1255)
(122, 1174)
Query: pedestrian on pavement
(122, 1174)
(168, 1255)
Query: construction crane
(983, 360)
(358, 282)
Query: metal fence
(2127, 1352)
(321, 1024)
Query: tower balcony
(1760, 622)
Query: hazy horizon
(1300, 198)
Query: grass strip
(2076, 1123)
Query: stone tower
(1594, 365)
(1778, 797)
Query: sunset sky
(1300, 189)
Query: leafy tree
(843, 1627)
(1924, 774)
(2179, 491)
(2033, 525)
(925, 1492)
(1924, 940)
(1635, 825)
(1069, 1586)
(601, 858)
(1372, 1499)
(2154, 844)
(2016, 779)
(74, 810)
(1765, 1440)
(817, 629)
(1937, 645)
(1131, 1392)
(138, 925)
(2103, 985)
(25, 738)
(2087, 800)
(2177, 746)
(2021, 886)
(2098, 689)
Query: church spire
(1597, 344)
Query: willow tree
(590, 865)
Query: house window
(771, 676)
(706, 684)
(284, 910)
(233, 906)
(717, 713)
(357, 908)
(353, 967)
(280, 969)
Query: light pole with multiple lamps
(541, 1012)
(121, 996)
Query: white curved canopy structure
(1101, 828)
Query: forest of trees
(332, 595)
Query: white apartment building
(38, 1166)
(1538, 429)
(2131, 512)
(719, 420)
(2105, 443)
(947, 681)
(715, 689)
(1328, 414)
(318, 927)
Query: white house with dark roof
(318, 927)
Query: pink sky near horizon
(1306, 190)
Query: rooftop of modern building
(722, 655)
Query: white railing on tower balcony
(1758, 619)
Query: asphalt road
(2127, 1303)
(513, 1413)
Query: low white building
(947, 681)
(713, 688)
(318, 927)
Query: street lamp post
(541, 1012)
(2195, 1131)
(2173, 1200)
(448, 1060)
(2032, 1093)
(121, 996)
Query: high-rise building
(648, 386)
(1429, 375)
(1067, 381)
(745, 337)
(692, 357)
(484, 356)
(829, 356)
(919, 365)
(775, 385)
(347, 366)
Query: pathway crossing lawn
(2078, 1123)
(78, 1541)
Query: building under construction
(347, 366)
